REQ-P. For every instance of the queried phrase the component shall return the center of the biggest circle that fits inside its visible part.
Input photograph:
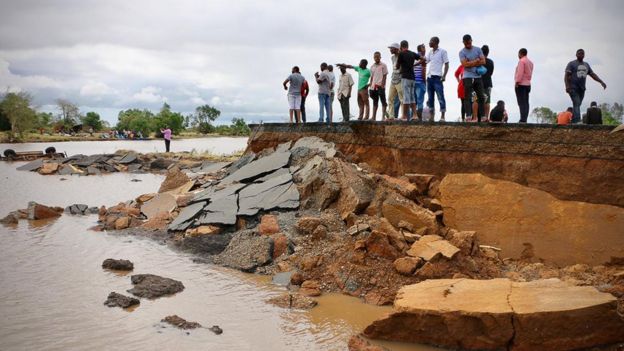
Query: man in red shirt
(305, 89)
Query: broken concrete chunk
(210, 167)
(128, 158)
(31, 166)
(259, 167)
(430, 246)
(185, 217)
(316, 143)
(277, 192)
(241, 162)
(158, 204)
(246, 252)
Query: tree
(17, 108)
(168, 118)
(43, 120)
(92, 120)
(5, 124)
(544, 115)
(612, 114)
(240, 127)
(203, 118)
(136, 120)
(69, 115)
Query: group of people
(122, 134)
(413, 74)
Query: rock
(407, 265)
(357, 343)
(152, 286)
(49, 168)
(290, 300)
(358, 228)
(319, 186)
(411, 237)
(91, 170)
(187, 215)
(216, 329)
(310, 288)
(296, 278)
(184, 200)
(466, 241)
(307, 225)
(501, 314)
(276, 193)
(203, 230)
(77, 209)
(161, 163)
(180, 323)
(31, 166)
(119, 265)
(158, 204)
(319, 233)
(431, 246)
(11, 218)
(280, 245)
(421, 181)
(122, 223)
(93, 210)
(128, 158)
(510, 215)
(242, 161)
(402, 186)
(145, 198)
(259, 167)
(210, 167)
(310, 262)
(318, 145)
(175, 179)
(246, 252)
(268, 225)
(223, 206)
(38, 211)
(118, 300)
(356, 190)
(397, 209)
(378, 245)
(182, 189)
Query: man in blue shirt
(575, 77)
(472, 59)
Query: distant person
(420, 82)
(594, 114)
(345, 85)
(459, 75)
(524, 73)
(305, 90)
(498, 113)
(396, 91)
(324, 81)
(576, 73)
(436, 59)
(564, 118)
(332, 85)
(294, 93)
(167, 136)
(472, 59)
(487, 78)
(377, 91)
(364, 75)
(405, 63)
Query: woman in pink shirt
(524, 73)
(167, 135)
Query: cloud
(96, 89)
(149, 95)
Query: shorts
(488, 95)
(408, 91)
(379, 93)
(294, 102)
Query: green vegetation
(544, 115)
(611, 114)
(17, 107)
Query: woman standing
(459, 75)
(167, 136)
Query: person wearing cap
(436, 59)
(395, 90)
(472, 59)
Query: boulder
(358, 343)
(38, 211)
(276, 193)
(122, 223)
(268, 225)
(180, 323)
(158, 204)
(501, 314)
(398, 209)
(175, 178)
(152, 286)
(259, 167)
(511, 216)
(293, 300)
(203, 230)
(310, 288)
(402, 186)
(407, 265)
(11, 218)
(118, 265)
(280, 245)
(421, 181)
(118, 300)
(49, 168)
(432, 246)
(246, 252)
(378, 245)
(307, 225)
(161, 163)
(356, 190)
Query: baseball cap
(394, 46)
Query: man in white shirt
(332, 85)
(438, 66)
(345, 85)
(395, 90)
(377, 85)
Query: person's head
(394, 48)
(363, 63)
(434, 42)
(500, 104)
(421, 49)
(486, 50)
(295, 69)
(330, 68)
(323, 66)
(467, 40)
(593, 104)
(377, 56)
(570, 109)
(343, 69)
(404, 45)
(580, 54)
(522, 53)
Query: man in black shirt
(594, 114)
(487, 78)
(405, 63)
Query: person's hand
(516, 84)
(285, 88)
(442, 79)
(604, 86)
(568, 90)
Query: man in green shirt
(364, 75)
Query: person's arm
(306, 88)
(457, 73)
(446, 69)
(567, 77)
(285, 81)
(345, 65)
(519, 73)
(597, 79)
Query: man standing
(379, 72)
(324, 81)
(294, 94)
(167, 136)
(396, 91)
(405, 63)
(420, 84)
(575, 77)
(524, 73)
(364, 75)
(436, 59)
(305, 90)
(332, 85)
(487, 78)
(344, 92)
(472, 59)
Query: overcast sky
(112, 55)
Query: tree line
(18, 115)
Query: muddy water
(215, 145)
(52, 287)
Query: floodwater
(214, 145)
(52, 286)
